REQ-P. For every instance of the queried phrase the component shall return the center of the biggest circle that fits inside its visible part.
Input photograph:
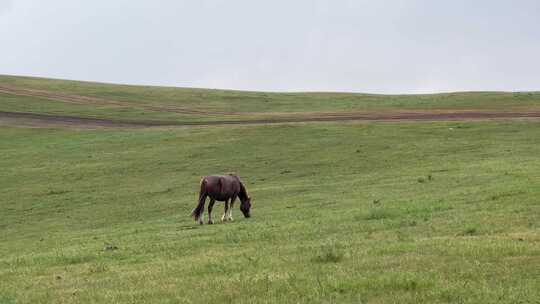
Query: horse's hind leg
(224, 216)
(210, 207)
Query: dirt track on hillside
(31, 119)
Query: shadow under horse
(223, 188)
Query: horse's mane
(243, 192)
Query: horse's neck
(243, 193)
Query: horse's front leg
(210, 207)
(224, 216)
(229, 216)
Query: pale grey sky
(379, 46)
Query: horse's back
(222, 187)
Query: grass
(339, 214)
(155, 103)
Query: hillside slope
(136, 103)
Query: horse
(223, 188)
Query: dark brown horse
(223, 188)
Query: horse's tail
(197, 212)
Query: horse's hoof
(210, 222)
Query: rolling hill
(436, 211)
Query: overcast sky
(379, 46)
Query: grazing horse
(223, 188)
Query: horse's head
(245, 206)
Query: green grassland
(156, 103)
(440, 212)
(433, 212)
